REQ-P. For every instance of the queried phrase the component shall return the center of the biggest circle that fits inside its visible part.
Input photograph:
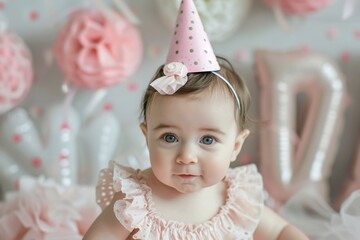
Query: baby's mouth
(187, 176)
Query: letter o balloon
(298, 140)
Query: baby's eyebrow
(216, 130)
(162, 126)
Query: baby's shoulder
(245, 183)
(246, 173)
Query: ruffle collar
(236, 219)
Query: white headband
(231, 88)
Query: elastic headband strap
(231, 88)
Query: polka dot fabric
(190, 44)
(105, 188)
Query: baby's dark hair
(197, 82)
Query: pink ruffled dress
(237, 219)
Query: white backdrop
(38, 22)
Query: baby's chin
(188, 188)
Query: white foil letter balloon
(221, 19)
(98, 135)
(10, 172)
(288, 161)
(60, 133)
(53, 153)
(98, 140)
(22, 141)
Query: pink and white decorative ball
(16, 70)
(221, 18)
(97, 51)
(299, 7)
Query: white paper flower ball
(221, 18)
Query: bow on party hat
(190, 52)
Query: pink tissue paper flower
(97, 51)
(16, 70)
(41, 209)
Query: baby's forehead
(205, 102)
(220, 93)
(188, 106)
(214, 94)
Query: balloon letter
(292, 156)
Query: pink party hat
(190, 44)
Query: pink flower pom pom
(41, 209)
(299, 7)
(16, 70)
(97, 51)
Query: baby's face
(192, 139)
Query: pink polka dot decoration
(34, 15)
(299, 7)
(357, 34)
(95, 51)
(16, 70)
(2, 5)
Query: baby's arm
(106, 226)
(273, 227)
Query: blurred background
(63, 126)
(72, 74)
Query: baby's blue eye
(169, 138)
(207, 140)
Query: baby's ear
(239, 141)
(144, 129)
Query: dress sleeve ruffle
(237, 219)
(109, 182)
(245, 197)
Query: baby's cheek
(215, 171)
(162, 153)
(160, 159)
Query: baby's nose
(187, 155)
